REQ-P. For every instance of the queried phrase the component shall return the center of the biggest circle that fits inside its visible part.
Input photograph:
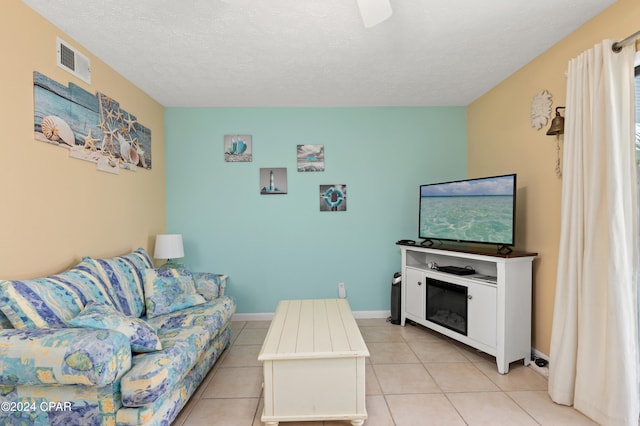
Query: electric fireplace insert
(447, 305)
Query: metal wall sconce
(556, 129)
(557, 124)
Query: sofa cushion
(49, 302)
(169, 290)
(154, 374)
(71, 405)
(124, 274)
(212, 315)
(142, 336)
(64, 356)
(167, 407)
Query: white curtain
(594, 341)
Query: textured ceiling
(316, 52)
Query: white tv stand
(498, 297)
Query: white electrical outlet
(341, 291)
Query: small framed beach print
(333, 198)
(238, 148)
(273, 180)
(310, 158)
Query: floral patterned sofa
(108, 342)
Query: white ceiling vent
(73, 61)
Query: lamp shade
(169, 246)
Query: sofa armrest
(63, 356)
(210, 286)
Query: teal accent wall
(277, 247)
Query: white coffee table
(313, 360)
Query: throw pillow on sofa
(169, 290)
(207, 284)
(142, 336)
(125, 274)
(49, 302)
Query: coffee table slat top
(312, 328)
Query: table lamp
(169, 246)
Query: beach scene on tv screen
(473, 210)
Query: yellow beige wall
(54, 209)
(502, 140)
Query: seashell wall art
(56, 129)
(92, 127)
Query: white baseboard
(252, 317)
(539, 354)
(371, 314)
(268, 316)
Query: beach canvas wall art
(92, 127)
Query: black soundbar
(457, 270)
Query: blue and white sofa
(108, 342)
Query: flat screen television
(481, 210)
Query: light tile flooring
(413, 377)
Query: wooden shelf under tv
(470, 248)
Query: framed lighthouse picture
(273, 180)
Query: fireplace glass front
(447, 305)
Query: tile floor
(413, 377)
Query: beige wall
(55, 209)
(501, 140)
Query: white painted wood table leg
(359, 422)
